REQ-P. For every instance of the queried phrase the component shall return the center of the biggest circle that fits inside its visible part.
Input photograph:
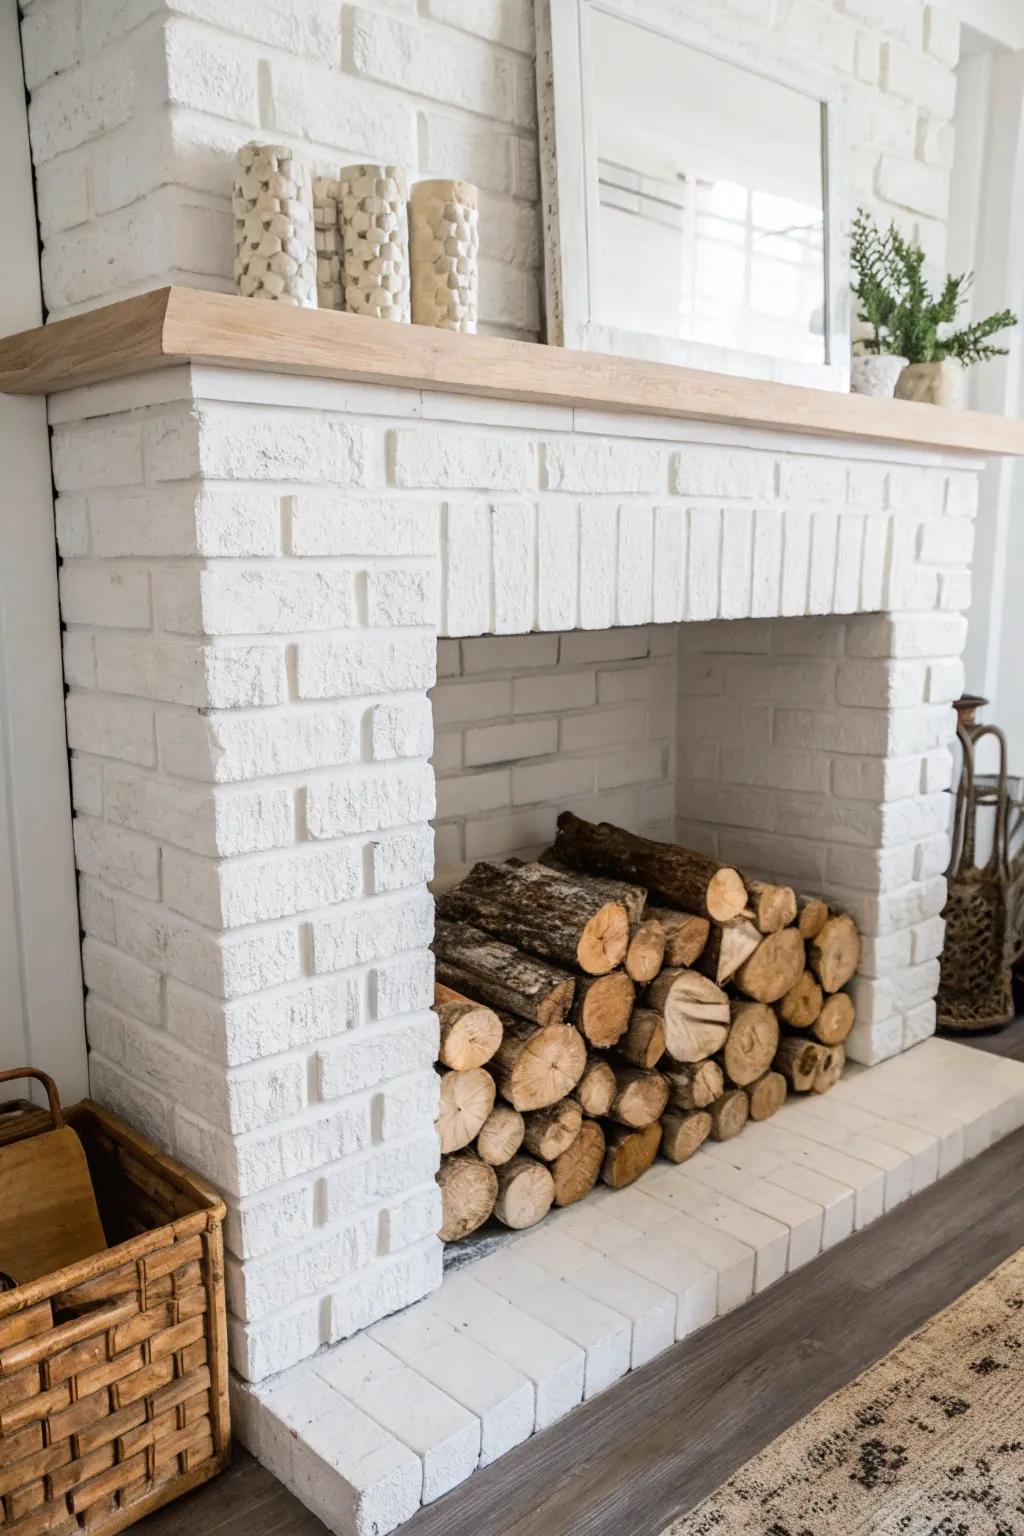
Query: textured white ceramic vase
(875, 373)
(373, 217)
(445, 250)
(272, 201)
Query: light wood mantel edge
(179, 325)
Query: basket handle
(56, 1113)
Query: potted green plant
(914, 348)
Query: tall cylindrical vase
(275, 257)
(445, 248)
(374, 221)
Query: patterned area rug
(928, 1442)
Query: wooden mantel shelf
(179, 325)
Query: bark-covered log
(773, 968)
(596, 1089)
(602, 1007)
(468, 1191)
(695, 1011)
(673, 875)
(835, 1020)
(536, 1065)
(751, 1044)
(558, 917)
(800, 1006)
(470, 1032)
(501, 1135)
(834, 953)
(774, 906)
(467, 1098)
(685, 935)
(643, 1044)
(632, 897)
(641, 1097)
(646, 951)
(681, 1135)
(729, 1114)
(798, 1059)
(830, 1070)
(811, 915)
(728, 946)
(767, 1095)
(578, 1168)
(550, 1131)
(628, 1154)
(695, 1086)
(483, 967)
(526, 1191)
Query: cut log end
(578, 1168)
(646, 953)
(751, 1043)
(603, 1007)
(643, 1044)
(726, 895)
(685, 935)
(526, 1192)
(537, 1065)
(695, 1086)
(641, 1097)
(629, 1154)
(811, 916)
(830, 1069)
(767, 1095)
(799, 1061)
(501, 1135)
(835, 1020)
(681, 1135)
(800, 1006)
(549, 1132)
(470, 1033)
(467, 1098)
(695, 1011)
(834, 952)
(728, 946)
(774, 906)
(729, 1114)
(468, 1191)
(774, 967)
(597, 1088)
(604, 941)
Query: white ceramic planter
(876, 373)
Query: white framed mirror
(694, 196)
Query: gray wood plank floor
(667, 1435)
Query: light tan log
(536, 1065)
(498, 974)
(695, 1086)
(646, 952)
(728, 946)
(681, 1135)
(641, 1097)
(751, 1044)
(773, 968)
(597, 1088)
(470, 1032)
(629, 1154)
(643, 1044)
(798, 1059)
(774, 906)
(695, 1011)
(835, 1020)
(729, 1114)
(767, 1095)
(685, 934)
(578, 1168)
(602, 1007)
(834, 953)
(830, 1070)
(550, 1131)
(673, 875)
(501, 1135)
(800, 1006)
(811, 915)
(632, 897)
(468, 1191)
(467, 1098)
(526, 1192)
(559, 917)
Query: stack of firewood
(617, 998)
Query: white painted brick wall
(132, 194)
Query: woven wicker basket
(114, 1370)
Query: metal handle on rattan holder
(56, 1113)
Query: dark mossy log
(632, 897)
(550, 1131)
(628, 1153)
(831, 1069)
(685, 935)
(501, 1135)
(497, 973)
(834, 952)
(695, 1086)
(751, 1044)
(646, 952)
(678, 876)
(470, 1032)
(811, 915)
(835, 1020)
(643, 1044)
(597, 1088)
(558, 917)
(641, 1097)
(467, 1098)
(576, 1170)
(767, 1095)
(681, 1135)
(468, 1191)
(695, 1011)
(729, 1114)
(526, 1192)
(799, 1059)
(800, 1006)
(728, 946)
(773, 906)
(774, 967)
(602, 1007)
(537, 1064)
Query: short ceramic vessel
(932, 383)
(876, 373)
